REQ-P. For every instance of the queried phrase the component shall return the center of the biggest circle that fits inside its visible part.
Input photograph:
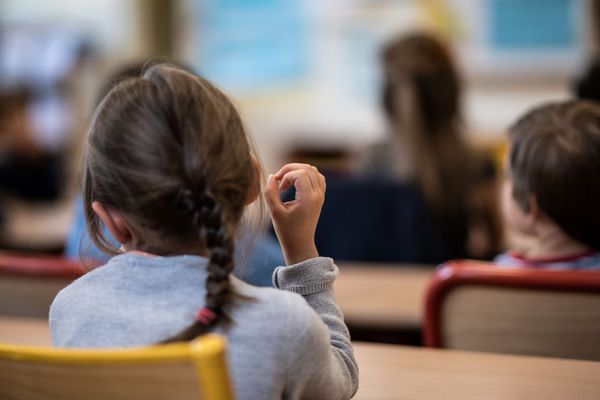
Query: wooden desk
(399, 372)
(27, 331)
(382, 297)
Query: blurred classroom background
(306, 75)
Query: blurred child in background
(552, 187)
(422, 101)
(27, 170)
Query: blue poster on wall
(251, 44)
(532, 24)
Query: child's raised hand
(295, 221)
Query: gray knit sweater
(283, 344)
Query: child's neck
(551, 242)
(158, 253)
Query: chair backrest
(181, 371)
(380, 220)
(28, 284)
(472, 305)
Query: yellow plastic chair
(182, 371)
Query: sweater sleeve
(321, 359)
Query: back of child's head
(422, 100)
(555, 157)
(168, 151)
(422, 65)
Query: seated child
(169, 170)
(552, 190)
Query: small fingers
(312, 174)
(290, 167)
(272, 196)
(298, 178)
(320, 179)
(317, 180)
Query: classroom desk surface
(27, 331)
(377, 296)
(400, 372)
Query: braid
(220, 246)
(208, 218)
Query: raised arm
(321, 359)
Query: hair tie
(206, 316)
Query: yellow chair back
(182, 371)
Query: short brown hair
(555, 156)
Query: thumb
(272, 195)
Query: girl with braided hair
(169, 171)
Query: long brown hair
(422, 100)
(169, 151)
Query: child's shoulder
(508, 259)
(276, 305)
(583, 261)
(286, 318)
(74, 306)
(268, 296)
(80, 292)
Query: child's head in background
(422, 87)
(169, 169)
(421, 99)
(553, 185)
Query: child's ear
(534, 213)
(113, 221)
(254, 190)
(537, 214)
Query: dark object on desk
(31, 179)
(384, 221)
